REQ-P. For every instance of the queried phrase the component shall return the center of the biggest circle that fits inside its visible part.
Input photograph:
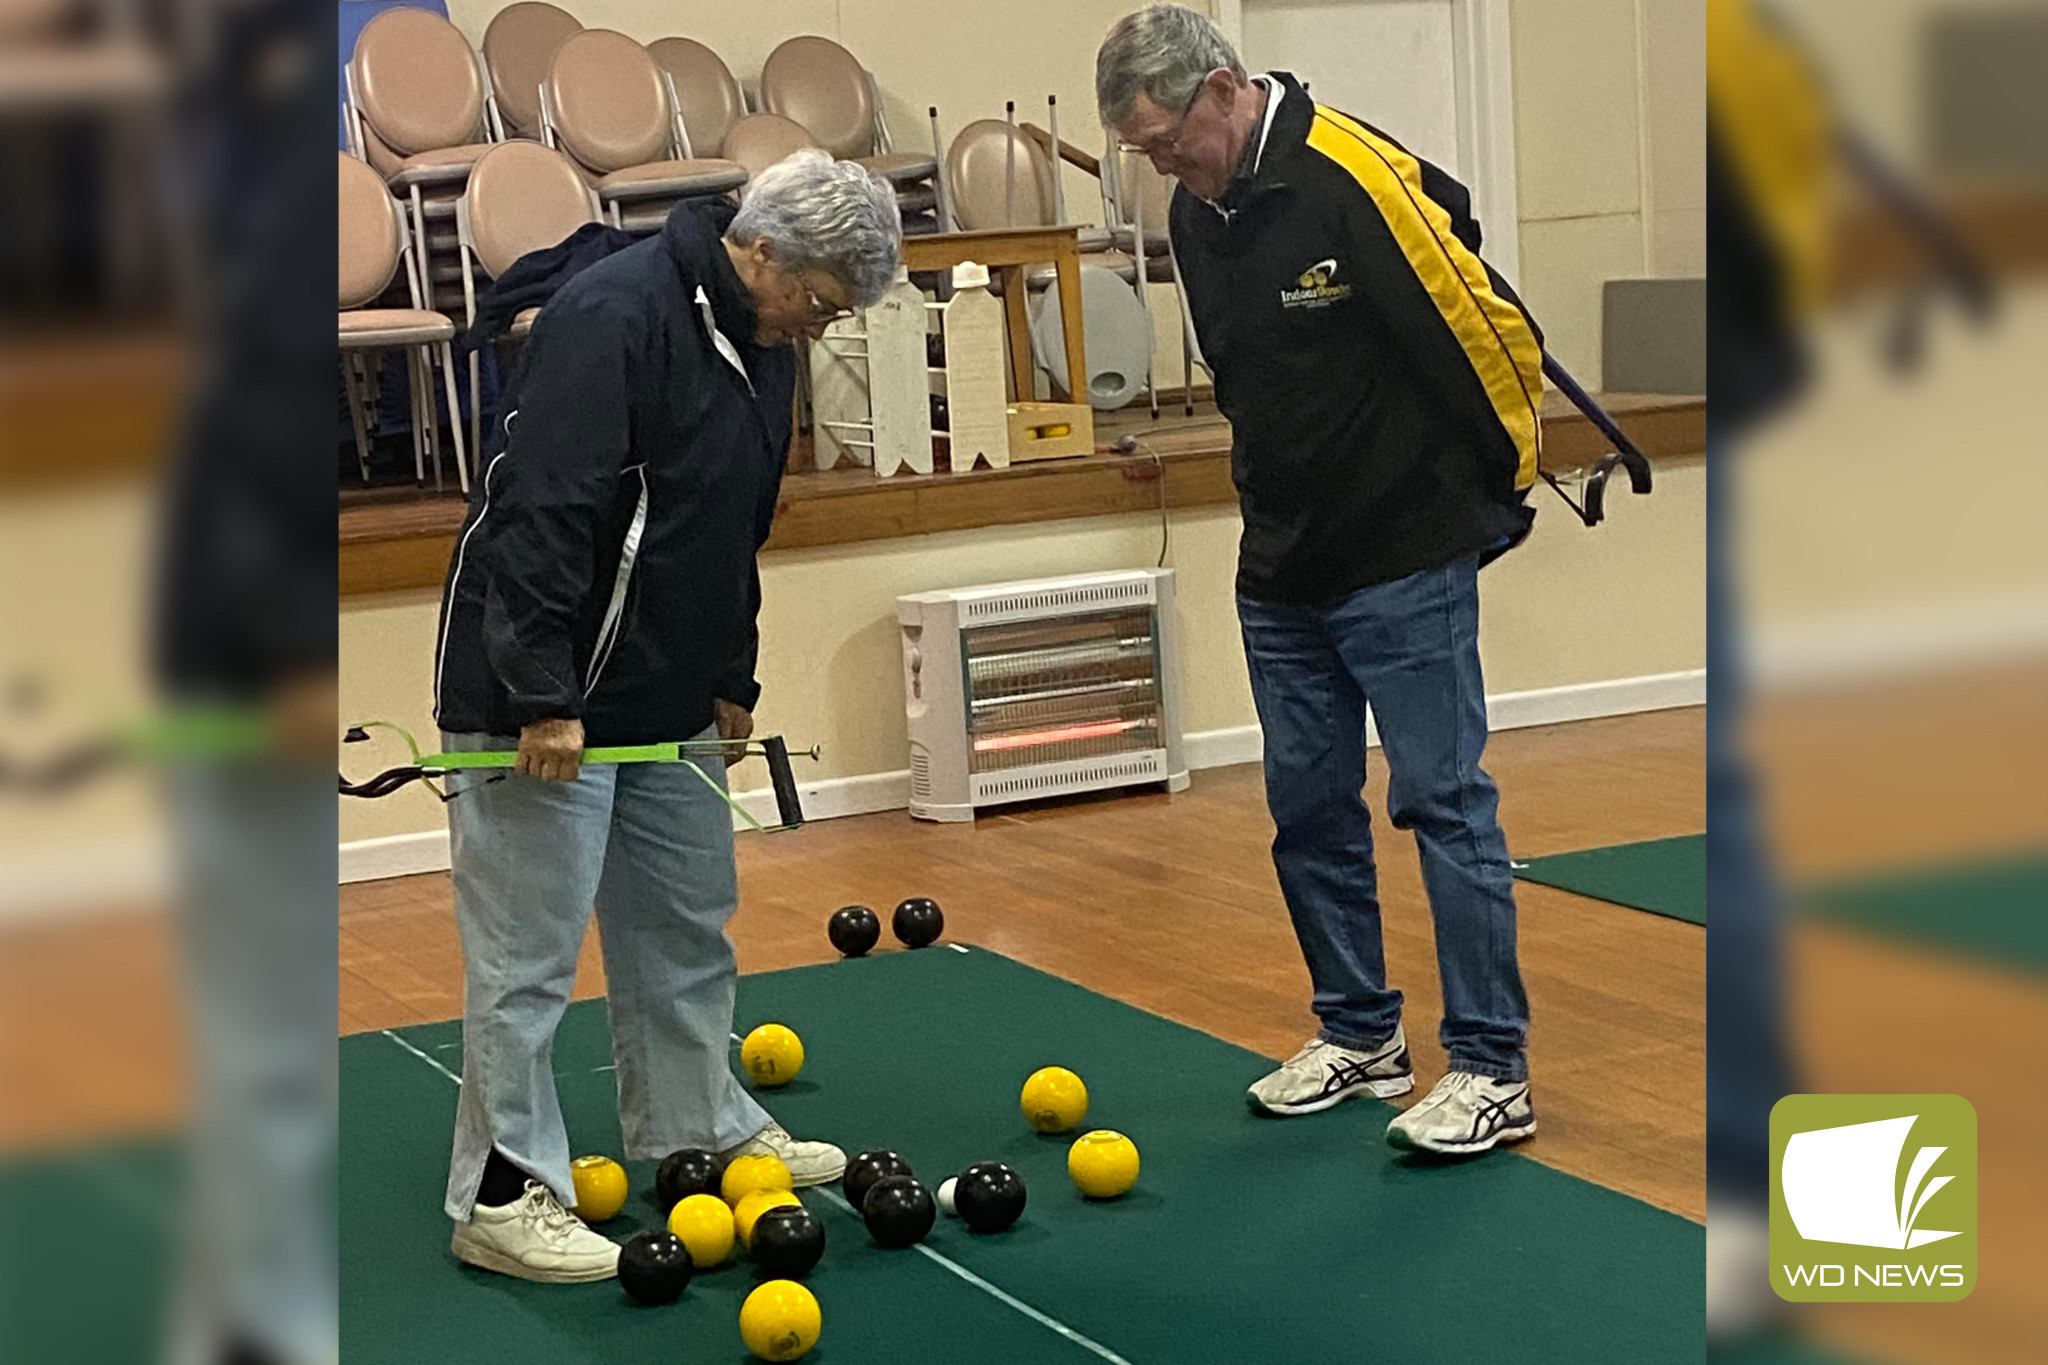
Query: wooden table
(1006, 251)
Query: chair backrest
(1135, 177)
(417, 81)
(758, 141)
(819, 84)
(609, 104)
(976, 165)
(517, 46)
(522, 197)
(707, 93)
(370, 227)
(378, 153)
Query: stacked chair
(610, 108)
(418, 102)
(521, 197)
(998, 176)
(464, 161)
(518, 45)
(817, 83)
(375, 243)
(758, 141)
(709, 99)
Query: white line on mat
(422, 1056)
(995, 1292)
(1000, 1294)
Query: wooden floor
(1170, 904)
(91, 1035)
(1922, 772)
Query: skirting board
(61, 882)
(402, 855)
(1838, 650)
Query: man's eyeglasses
(1165, 150)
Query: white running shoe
(535, 1238)
(810, 1163)
(1323, 1074)
(1465, 1113)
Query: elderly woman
(604, 591)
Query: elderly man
(1382, 383)
(604, 591)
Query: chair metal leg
(430, 409)
(476, 409)
(420, 261)
(1187, 330)
(430, 413)
(454, 416)
(1187, 355)
(370, 375)
(419, 441)
(355, 412)
(1151, 339)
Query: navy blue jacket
(606, 568)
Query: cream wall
(73, 662)
(1571, 606)
(1872, 53)
(1883, 510)
(1610, 149)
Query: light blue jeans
(1411, 649)
(256, 879)
(649, 846)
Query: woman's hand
(551, 750)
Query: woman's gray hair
(821, 214)
(1162, 51)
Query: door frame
(1482, 54)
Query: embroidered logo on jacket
(1315, 287)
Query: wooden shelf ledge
(396, 541)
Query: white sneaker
(535, 1238)
(810, 1163)
(1465, 1113)
(1323, 1074)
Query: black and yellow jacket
(1382, 381)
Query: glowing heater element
(1030, 737)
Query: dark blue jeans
(1411, 649)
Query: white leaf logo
(1838, 1185)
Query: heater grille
(1070, 777)
(1020, 603)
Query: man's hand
(551, 750)
(735, 723)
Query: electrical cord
(1129, 445)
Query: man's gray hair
(826, 215)
(1162, 51)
